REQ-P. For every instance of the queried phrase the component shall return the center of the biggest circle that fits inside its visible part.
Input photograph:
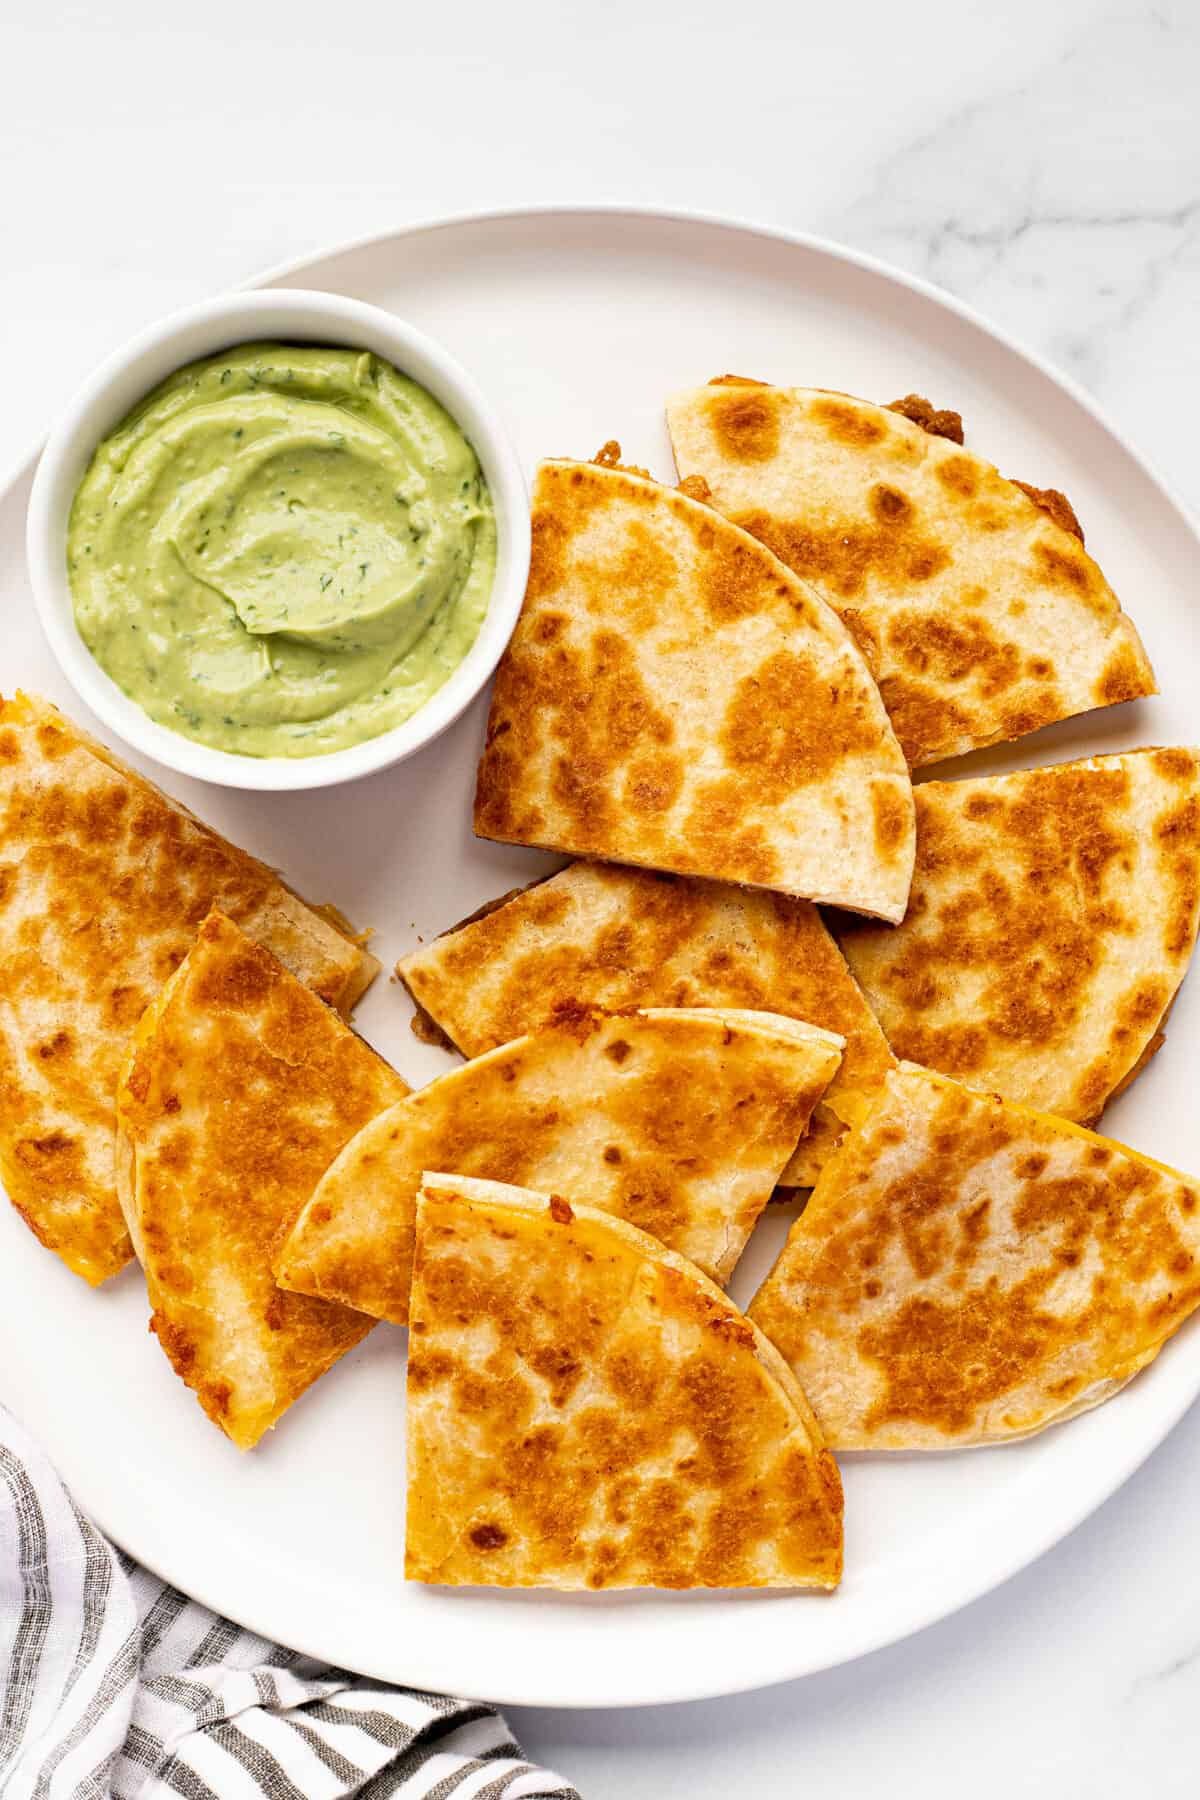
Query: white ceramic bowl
(290, 316)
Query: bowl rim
(136, 367)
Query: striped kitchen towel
(114, 1686)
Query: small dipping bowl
(282, 316)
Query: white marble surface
(1040, 158)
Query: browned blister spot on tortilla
(731, 583)
(1124, 677)
(789, 725)
(1177, 832)
(550, 627)
(850, 556)
(985, 1346)
(496, 782)
(673, 1467)
(1179, 824)
(950, 653)
(745, 423)
(1041, 709)
(636, 579)
(890, 506)
(846, 422)
(49, 1158)
(959, 475)
(1176, 764)
(242, 980)
(549, 556)
(717, 817)
(923, 717)
(890, 817)
(488, 1537)
(653, 783)
(1073, 573)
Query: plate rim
(1126, 1464)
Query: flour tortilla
(600, 936)
(1053, 916)
(968, 1271)
(239, 1091)
(586, 1410)
(679, 1121)
(674, 698)
(103, 884)
(972, 598)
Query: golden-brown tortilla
(600, 936)
(239, 1091)
(587, 1410)
(679, 1121)
(975, 604)
(1052, 918)
(103, 884)
(674, 698)
(969, 1271)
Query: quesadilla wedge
(674, 698)
(1052, 918)
(587, 1410)
(103, 883)
(679, 1122)
(239, 1091)
(969, 1271)
(598, 936)
(974, 602)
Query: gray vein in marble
(1066, 200)
(1178, 1664)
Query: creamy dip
(283, 550)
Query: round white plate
(579, 324)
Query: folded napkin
(114, 1686)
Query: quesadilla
(969, 1271)
(599, 936)
(239, 1091)
(679, 1122)
(975, 604)
(674, 698)
(103, 883)
(1052, 918)
(586, 1410)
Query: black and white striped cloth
(114, 1686)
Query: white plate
(578, 324)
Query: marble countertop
(1043, 162)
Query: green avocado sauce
(283, 550)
